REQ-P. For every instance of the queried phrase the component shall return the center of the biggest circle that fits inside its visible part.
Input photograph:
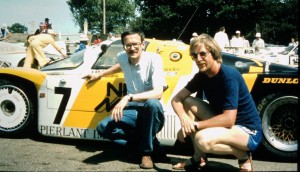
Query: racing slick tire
(279, 123)
(16, 109)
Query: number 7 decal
(66, 92)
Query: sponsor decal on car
(280, 81)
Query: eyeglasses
(202, 54)
(134, 45)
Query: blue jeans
(138, 126)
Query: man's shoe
(146, 162)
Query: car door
(72, 103)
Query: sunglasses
(134, 45)
(202, 54)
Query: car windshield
(287, 50)
(109, 58)
(71, 62)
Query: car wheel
(34, 65)
(279, 123)
(16, 109)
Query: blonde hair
(209, 43)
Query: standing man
(258, 44)
(229, 123)
(222, 38)
(40, 29)
(37, 43)
(293, 42)
(4, 34)
(237, 42)
(47, 24)
(138, 117)
(83, 42)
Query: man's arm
(95, 76)
(59, 49)
(187, 123)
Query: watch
(130, 97)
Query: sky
(31, 13)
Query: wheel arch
(28, 85)
(28, 127)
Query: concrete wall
(17, 38)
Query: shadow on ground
(110, 151)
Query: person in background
(258, 44)
(41, 28)
(222, 38)
(237, 40)
(246, 42)
(68, 46)
(47, 24)
(293, 42)
(35, 50)
(194, 35)
(5, 34)
(247, 48)
(139, 115)
(83, 41)
(111, 37)
(227, 122)
(98, 40)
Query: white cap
(194, 34)
(237, 31)
(258, 35)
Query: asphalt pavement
(41, 153)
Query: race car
(57, 102)
(13, 55)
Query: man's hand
(65, 55)
(91, 77)
(117, 112)
(187, 125)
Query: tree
(167, 19)
(17, 28)
(181, 18)
(277, 20)
(118, 14)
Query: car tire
(279, 123)
(16, 109)
(34, 65)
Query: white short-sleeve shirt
(144, 76)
